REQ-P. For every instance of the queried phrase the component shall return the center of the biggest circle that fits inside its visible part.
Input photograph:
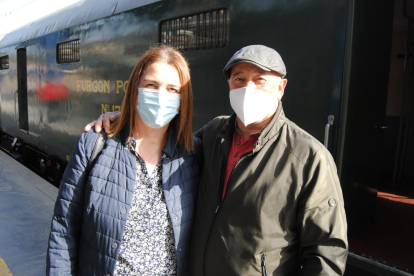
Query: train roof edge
(73, 15)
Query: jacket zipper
(264, 271)
(222, 179)
(244, 156)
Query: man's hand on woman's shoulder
(103, 120)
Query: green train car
(350, 71)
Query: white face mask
(251, 105)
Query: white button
(179, 249)
(332, 202)
(123, 211)
(114, 245)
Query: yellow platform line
(4, 270)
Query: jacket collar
(267, 133)
(272, 129)
(170, 144)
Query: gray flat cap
(264, 57)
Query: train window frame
(4, 62)
(74, 46)
(197, 31)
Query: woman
(132, 213)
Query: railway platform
(26, 209)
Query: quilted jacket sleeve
(66, 225)
(321, 219)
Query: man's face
(248, 75)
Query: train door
(4, 66)
(30, 63)
(405, 145)
(21, 95)
(363, 108)
(375, 116)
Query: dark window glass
(207, 30)
(4, 62)
(68, 52)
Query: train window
(68, 52)
(207, 30)
(4, 62)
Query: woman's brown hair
(183, 120)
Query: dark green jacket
(283, 212)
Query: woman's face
(160, 76)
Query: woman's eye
(151, 86)
(173, 90)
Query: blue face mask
(157, 108)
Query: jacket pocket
(264, 269)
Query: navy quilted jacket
(92, 208)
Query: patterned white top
(147, 246)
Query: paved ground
(26, 208)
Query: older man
(269, 200)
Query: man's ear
(281, 88)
